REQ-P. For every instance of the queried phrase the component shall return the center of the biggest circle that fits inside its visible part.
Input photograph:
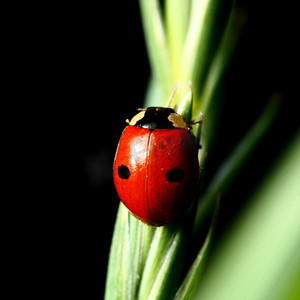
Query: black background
(85, 70)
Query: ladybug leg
(200, 121)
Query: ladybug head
(158, 118)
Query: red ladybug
(156, 166)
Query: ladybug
(156, 166)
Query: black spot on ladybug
(175, 175)
(123, 172)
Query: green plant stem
(191, 279)
(156, 43)
(177, 17)
(128, 253)
(233, 164)
(259, 252)
(209, 99)
(197, 51)
(117, 286)
(164, 262)
(225, 49)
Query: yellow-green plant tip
(186, 105)
(171, 97)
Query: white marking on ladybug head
(137, 117)
(177, 121)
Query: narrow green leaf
(233, 164)
(117, 280)
(189, 284)
(146, 240)
(129, 249)
(134, 263)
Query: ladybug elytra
(156, 166)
